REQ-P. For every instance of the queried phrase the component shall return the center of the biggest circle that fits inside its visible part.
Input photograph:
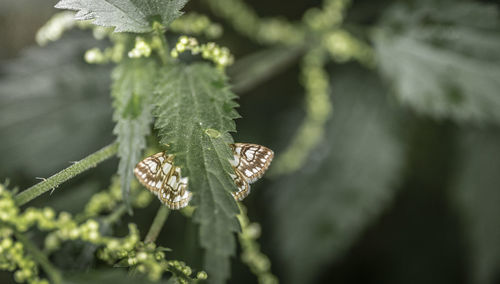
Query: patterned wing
(158, 174)
(250, 163)
(242, 184)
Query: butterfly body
(160, 176)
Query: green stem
(158, 222)
(251, 255)
(163, 45)
(116, 214)
(254, 69)
(66, 174)
(52, 272)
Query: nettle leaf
(477, 197)
(344, 185)
(133, 88)
(125, 15)
(63, 93)
(194, 114)
(442, 58)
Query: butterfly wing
(159, 175)
(241, 184)
(250, 162)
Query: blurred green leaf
(45, 95)
(195, 112)
(133, 86)
(442, 58)
(126, 16)
(477, 195)
(346, 182)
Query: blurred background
(403, 187)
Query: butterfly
(160, 176)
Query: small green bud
(141, 268)
(132, 261)
(202, 275)
(159, 255)
(19, 276)
(187, 271)
(142, 256)
(48, 213)
(6, 243)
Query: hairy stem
(66, 174)
(158, 222)
(40, 258)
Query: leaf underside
(61, 92)
(443, 61)
(343, 185)
(133, 87)
(194, 114)
(125, 15)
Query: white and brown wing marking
(158, 174)
(250, 163)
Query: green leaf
(195, 113)
(477, 197)
(344, 185)
(133, 88)
(442, 58)
(125, 15)
(45, 94)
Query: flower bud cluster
(12, 253)
(210, 51)
(109, 54)
(146, 258)
(196, 24)
(330, 16)
(258, 262)
(246, 21)
(342, 47)
(141, 49)
(55, 27)
(314, 78)
(62, 22)
(106, 201)
(62, 227)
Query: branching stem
(116, 214)
(40, 258)
(157, 225)
(66, 174)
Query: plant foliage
(339, 153)
(126, 16)
(445, 64)
(195, 112)
(476, 197)
(345, 184)
(133, 85)
(62, 93)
